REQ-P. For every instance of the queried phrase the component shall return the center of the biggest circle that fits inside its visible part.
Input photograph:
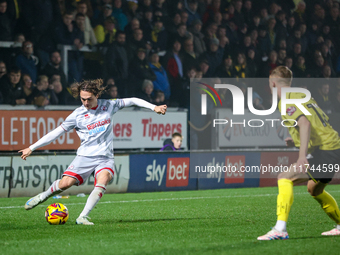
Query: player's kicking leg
(57, 187)
(285, 199)
(328, 204)
(102, 179)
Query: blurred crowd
(152, 48)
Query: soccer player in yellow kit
(319, 157)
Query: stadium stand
(225, 39)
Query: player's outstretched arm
(161, 109)
(43, 141)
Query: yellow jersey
(322, 135)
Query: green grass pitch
(190, 222)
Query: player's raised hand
(160, 109)
(25, 153)
(289, 142)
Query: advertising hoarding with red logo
(131, 129)
(177, 172)
(234, 172)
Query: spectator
(203, 67)
(264, 41)
(146, 23)
(3, 69)
(184, 17)
(27, 86)
(241, 66)
(112, 91)
(238, 14)
(27, 62)
(131, 27)
(327, 56)
(226, 69)
(161, 83)
(135, 43)
(316, 69)
(281, 26)
(174, 65)
(140, 70)
(299, 69)
(281, 56)
(255, 25)
(89, 36)
(146, 93)
(61, 93)
(327, 72)
(43, 94)
(54, 67)
(105, 34)
(272, 33)
(199, 44)
(182, 33)
(270, 65)
(173, 24)
(11, 88)
(6, 31)
(173, 144)
(67, 33)
(189, 56)
(214, 56)
(119, 15)
(289, 62)
(102, 14)
(192, 11)
(117, 63)
(211, 10)
(132, 10)
(159, 98)
(248, 12)
(323, 99)
(251, 63)
(299, 14)
(158, 35)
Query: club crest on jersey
(291, 110)
(103, 108)
(87, 116)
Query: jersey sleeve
(117, 104)
(70, 122)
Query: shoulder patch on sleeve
(291, 110)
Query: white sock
(52, 190)
(93, 199)
(281, 225)
(338, 227)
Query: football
(56, 214)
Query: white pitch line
(164, 199)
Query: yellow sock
(284, 199)
(329, 205)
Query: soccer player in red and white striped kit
(94, 126)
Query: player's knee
(314, 192)
(104, 177)
(283, 175)
(66, 182)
